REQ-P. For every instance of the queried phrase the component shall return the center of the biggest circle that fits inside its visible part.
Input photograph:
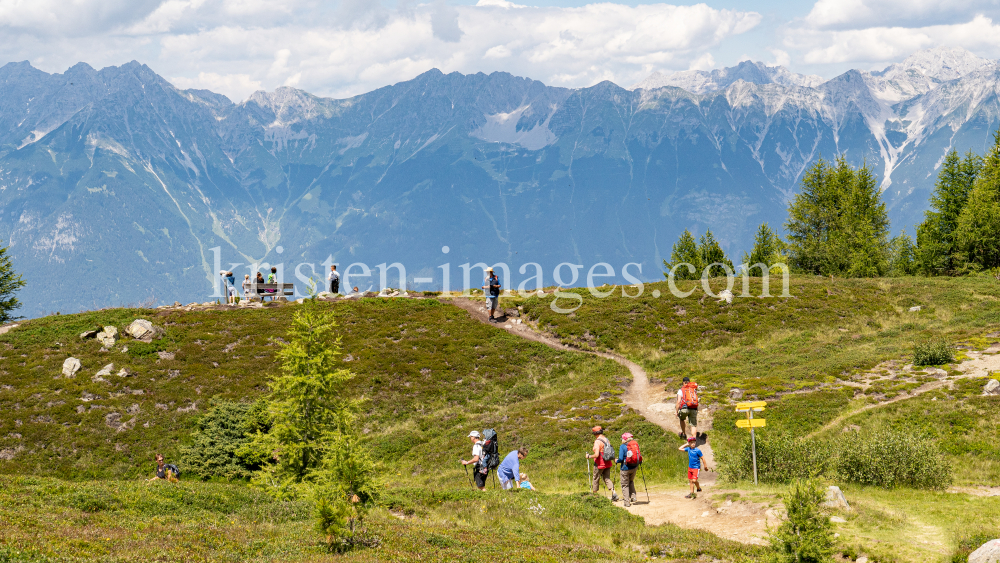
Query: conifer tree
(766, 245)
(10, 283)
(977, 232)
(936, 245)
(709, 252)
(684, 250)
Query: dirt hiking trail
(740, 521)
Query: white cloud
(358, 45)
(869, 14)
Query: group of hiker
(485, 455)
(251, 292)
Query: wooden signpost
(751, 423)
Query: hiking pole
(468, 477)
(643, 473)
(590, 477)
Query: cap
(474, 434)
(692, 439)
(686, 379)
(627, 436)
(597, 430)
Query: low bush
(807, 535)
(780, 458)
(887, 458)
(222, 443)
(932, 353)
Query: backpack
(633, 456)
(689, 395)
(494, 286)
(172, 467)
(490, 458)
(608, 453)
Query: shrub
(780, 459)
(887, 458)
(932, 353)
(807, 535)
(222, 443)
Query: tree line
(838, 226)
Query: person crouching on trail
(509, 471)
(687, 407)
(694, 465)
(477, 453)
(629, 458)
(603, 455)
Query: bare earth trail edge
(740, 521)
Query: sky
(341, 48)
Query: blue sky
(341, 48)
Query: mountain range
(117, 187)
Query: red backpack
(689, 395)
(633, 456)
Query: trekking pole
(590, 487)
(468, 477)
(643, 473)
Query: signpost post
(751, 423)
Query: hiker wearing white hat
(492, 291)
(477, 452)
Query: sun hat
(627, 436)
(474, 434)
(597, 430)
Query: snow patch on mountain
(503, 128)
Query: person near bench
(272, 278)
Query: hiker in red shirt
(604, 459)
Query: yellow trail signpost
(751, 423)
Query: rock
(914, 309)
(989, 552)
(98, 379)
(300, 300)
(70, 367)
(838, 520)
(282, 299)
(8, 328)
(736, 394)
(992, 387)
(726, 296)
(861, 559)
(835, 498)
(114, 421)
(165, 355)
(87, 397)
(108, 336)
(177, 303)
(124, 373)
(89, 333)
(106, 370)
(141, 329)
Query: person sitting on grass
(694, 465)
(525, 484)
(164, 472)
(509, 471)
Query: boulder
(989, 552)
(835, 498)
(106, 370)
(736, 394)
(89, 333)
(992, 387)
(70, 367)
(914, 309)
(143, 330)
(108, 336)
(726, 296)
(124, 373)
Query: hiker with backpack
(509, 471)
(603, 456)
(492, 291)
(489, 457)
(165, 471)
(687, 407)
(629, 458)
(694, 465)
(477, 456)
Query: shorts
(507, 485)
(691, 415)
(481, 478)
(492, 302)
(693, 473)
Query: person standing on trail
(603, 455)
(629, 458)
(477, 453)
(509, 471)
(334, 279)
(694, 465)
(687, 407)
(492, 291)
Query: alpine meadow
(227, 334)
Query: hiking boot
(634, 499)
(681, 434)
(699, 489)
(627, 504)
(690, 495)
(614, 498)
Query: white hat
(474, 434)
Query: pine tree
(865, 225)
(709, 252)
(977, 232)
(936, 245)
(10, 283)
(766, 245)
(903, 259)
(684, 250)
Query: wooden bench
(260, 290)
